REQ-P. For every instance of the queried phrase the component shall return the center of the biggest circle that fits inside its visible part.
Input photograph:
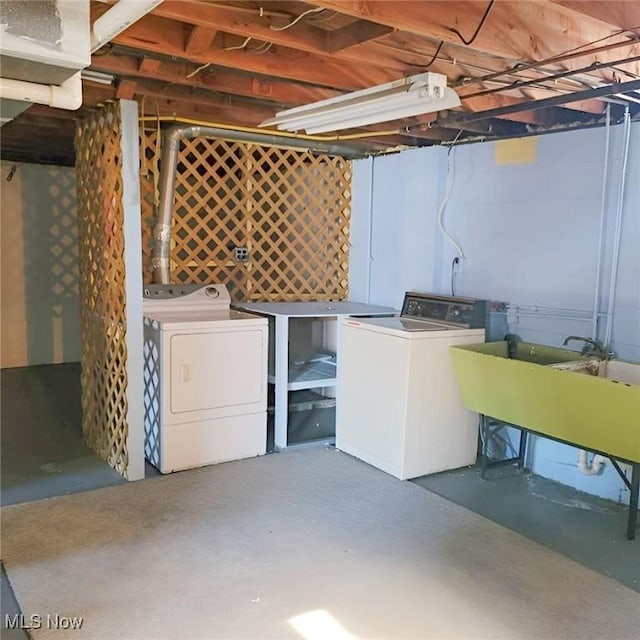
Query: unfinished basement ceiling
(519, 67)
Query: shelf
(299, 385)
(308, 379)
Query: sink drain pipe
(592, 468)
(171, 148)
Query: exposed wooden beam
(506, 33)
(357, 33)
(303, 37)
(161, 36)
(624, 14)
(247, 111)
(240, 22)
(148, 66)
(216, 79)
(199, 40)
(126, 89)
(246, 22)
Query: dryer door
(217, 373)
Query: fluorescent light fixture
(412, 96)
(96, 76)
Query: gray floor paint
(587, 529)
(256, 548)
(43, 453)
(43, 456)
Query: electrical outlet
(460, 264)
(241, 253)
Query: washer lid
(408, 328)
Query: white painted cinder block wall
(530, 235)
(40, 306)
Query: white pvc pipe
(592, 468)
(603, 204)
(66, 96)
(117, 19)
(370, 230)
(618, 230)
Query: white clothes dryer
(205, 378)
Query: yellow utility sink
(545, 389)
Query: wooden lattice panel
(299, 207)
(289, 208)
(102, 285)
(149, 179)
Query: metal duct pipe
(171, 147)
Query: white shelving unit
(304, 339)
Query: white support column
(282, 380)
(133, 286)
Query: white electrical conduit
(603, 205)
(370, 230)
(618, 229)
(594, 468)
(66, 96)
(117, 19)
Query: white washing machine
(398, 406)
(205, 378)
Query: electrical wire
(262, 49)
(445, 199)
(240, 46)
(454, 262)
(296, 20)
(477, 31)
(320, 19)
(200, 68)
(433, 58)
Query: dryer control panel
(461, 312)
(164, 297)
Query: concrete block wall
(529, 229)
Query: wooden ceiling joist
(159, 35)
(507, 32)
(199, 40)
(623, 15)
(354, 34)
(520, 67)
(215, 79)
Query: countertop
(315, 309)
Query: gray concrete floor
(42, 448)
(585, 528)
(43, 455)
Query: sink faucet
(591, 347)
